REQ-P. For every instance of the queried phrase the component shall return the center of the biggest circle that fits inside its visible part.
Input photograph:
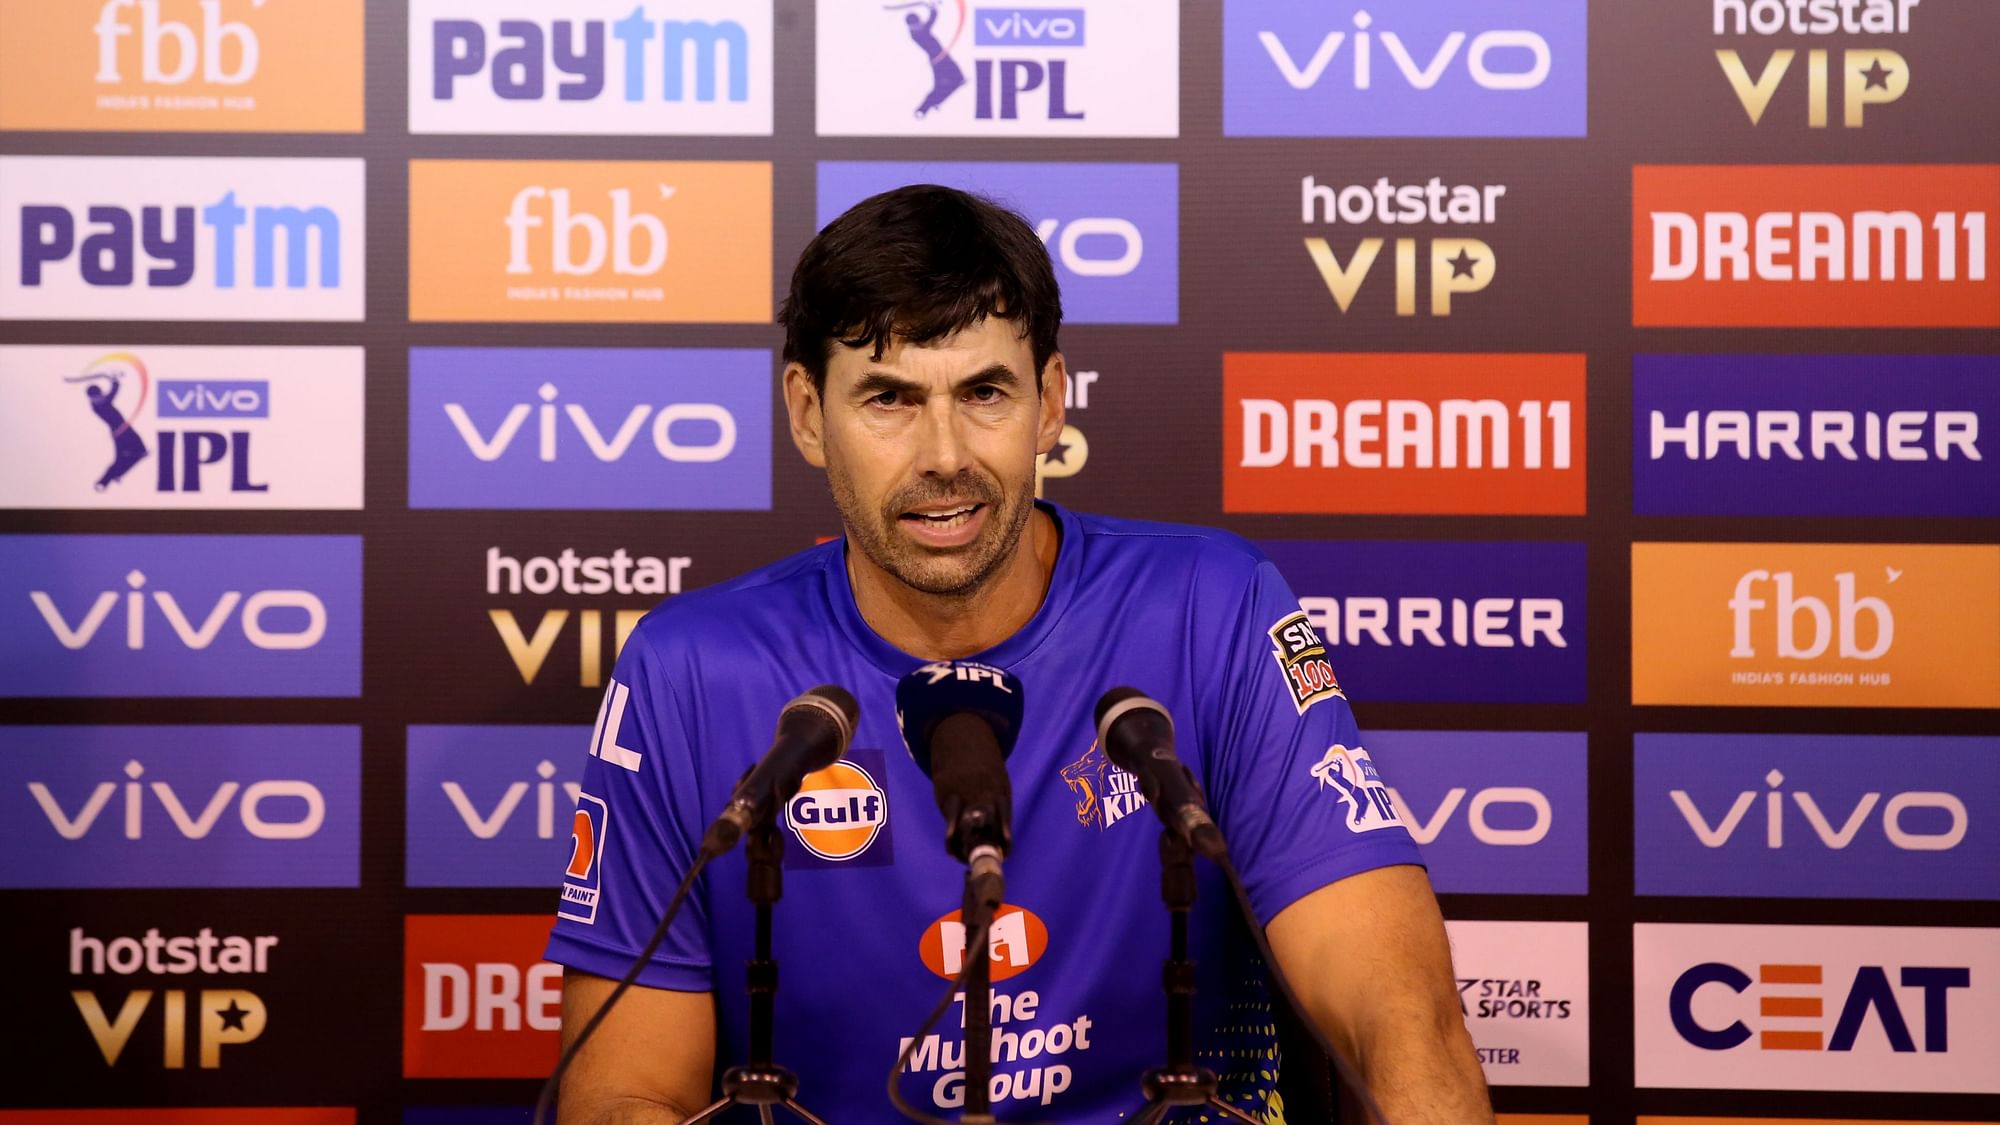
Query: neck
(954, 626)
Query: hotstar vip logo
(1456, 265)
(576, 575)
(1869, 76)
(222, 1016)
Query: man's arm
(1368, 959)
(649, 1063)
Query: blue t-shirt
(867, 934)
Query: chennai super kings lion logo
(1104, 793)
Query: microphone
(959, 720)
(1138, 736)
(813, 732)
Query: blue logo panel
(491, 806)
(1404, 68)
(174, 806)
(201, 615)
(1816, 816)
(590, 428)
(1815, 435)
(1113, 230)
(1445, 622)
(1495, 812)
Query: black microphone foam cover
(935, 692)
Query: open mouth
(944, 519)
(945, 527)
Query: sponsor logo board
(840, 816)
(1891, 1008)
(201, 615)
(1839, 60)
(1445, 621)
(1445, 68)
(490, 806)
(1815, 625)
(1816, 816)
(478, 1000)
(1822, 435)
(657, 242)
(181, 238)
(1403, 434)
(1112, 230)
(1524, 989)
(1495, 812)
(604, 66)
(1455, 265)
(182, 427)
(961, 68)
(208, 66)
(1904, 245)
(652, 428)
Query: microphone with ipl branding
(959, 720)
(1138, 736)
(813, 732)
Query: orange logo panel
(478, 1000)
(1403, 434)
(1835, 246)
(663, 242)
(1815, 625)
(1018, 941)
(237, 66)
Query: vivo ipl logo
(614, 428)
(221, 806)
(491, 806)
(136, 615)
(1441, 68)
(1495, 812)
(1000, 83)
(1112, 230)
(182, 454)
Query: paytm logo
(1445, 622)
(201, 615)
(1494, 812)
(1851, 245)
(1456, 68)
(1113, 230)
(1816, 1007)
(182, 427)
(1816, 816)
(171, 238)
(1360, 433)
(658, 428)
(478, 1000)
(490, 806)
(161, 806)
(1854, 435)
(290, 66)
(607, 66)
(1847, 625)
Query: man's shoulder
(1211, 551)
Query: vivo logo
(248, 612)
(1068, 250)
(1028, 27)
(239, 398)
(1540, 814)
(611, 448)
(1835, 832)
(196, 818)
(1522, 62)
(489, 824)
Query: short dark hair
(920, 262)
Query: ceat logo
(1017, 941)
(478, 1000)
(1793, 1002)
(838, 812)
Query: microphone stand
(1180, 1082)
(759, 1081)
(983, 891)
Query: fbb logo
(478, 1000)
(1017, 940)
(840, 816)
(1358, 433)
(173, 238)
(607, 66)
(1459, 68)
(949, 68)
(220, 615)
(291, 66)
(1495, 812)
(1841, 625)
(634, 241)
(1816, 816)
(183, 427)
(1834, 246)
(214, 806)
(658, 428)
(490, 806)
(1816, 1007)
(1112, 230)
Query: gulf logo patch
(839, 812)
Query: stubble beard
(957, 573)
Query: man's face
(930, 451)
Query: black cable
(1347, 1072)
(975, 946)
(639, 963)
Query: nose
(940, 446)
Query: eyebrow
(880, 382)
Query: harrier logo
(1301, 657)
(1018, 941)
(841, 814)
(1352, 777)
(1104, 793)
(583, 876)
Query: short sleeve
(635, 831)
(1290, 783)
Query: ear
(1055, 388)
(808, 415)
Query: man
(922, 374)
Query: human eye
(885, 399)
(986, 394)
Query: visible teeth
(951, 518)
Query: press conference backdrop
(1617, 384)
